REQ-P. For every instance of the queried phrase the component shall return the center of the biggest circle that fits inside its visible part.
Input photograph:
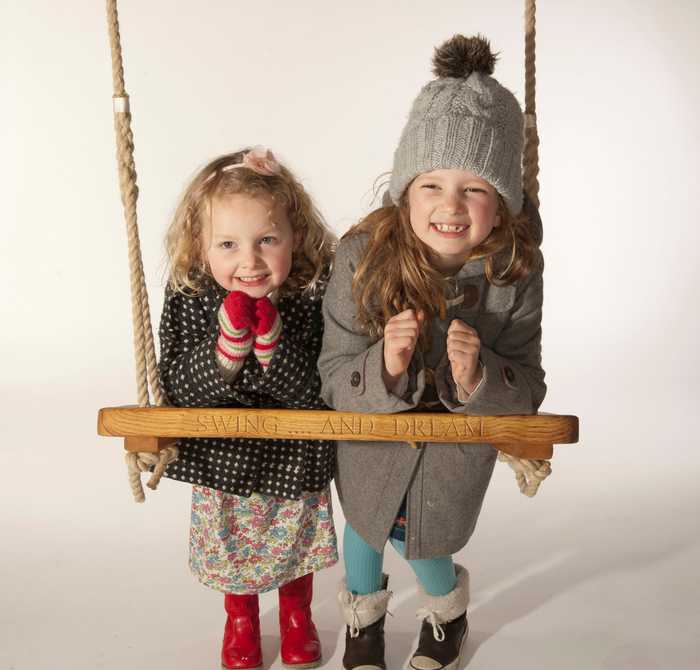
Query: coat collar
(471, 269)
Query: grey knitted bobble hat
(465, 120)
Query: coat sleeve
(351, 363)
(513, 378)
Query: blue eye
(268, 239)
(226, 244)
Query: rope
(144, 346)
(529, 473)
(137, 463)
(531, 167)
(129, 195)
(151, 361)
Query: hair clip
(258, 159)
(261, 160)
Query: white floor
(600, 571)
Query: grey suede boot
(364, 633)
(444, 629)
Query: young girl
(242, 326)
(434, 304)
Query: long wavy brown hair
(188, 270)
(396, 272)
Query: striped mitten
(267, 328)
(236, 316)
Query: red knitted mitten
(267, 328)
(236, 317)
(240, 309)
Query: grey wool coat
(444, 484)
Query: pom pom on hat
(463, 120)
(460, 56)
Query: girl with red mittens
(242, 327)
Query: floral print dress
(256, 544)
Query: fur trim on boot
(364, 632)
(444, 628)
(441, 609)
(362, 611)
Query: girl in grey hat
(435, 304)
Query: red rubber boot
(241, 647)
(300, 646)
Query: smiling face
(452, 211)
(249, 244)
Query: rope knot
(529, 473)
(142, 461)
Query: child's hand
(265, 315)
(267, 327)
(235, 341)
(239, 307)
(400, 337)
(463, 346)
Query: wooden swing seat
(150, 429)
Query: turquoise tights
(363, 567)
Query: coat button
(355, 378)
(471, 296)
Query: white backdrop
(599, 571)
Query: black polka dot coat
(191, 378)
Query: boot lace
(435, 621)
(349, 598)
(352, 600)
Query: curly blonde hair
(188, 270)
(396, 271)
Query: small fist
(265, 315)
(400, 337)
(240, 309)
(463, 347)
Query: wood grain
(151, 445)
(530, 436)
